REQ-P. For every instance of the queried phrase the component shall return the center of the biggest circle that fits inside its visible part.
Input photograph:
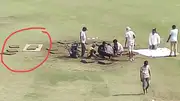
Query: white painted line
(36, 50)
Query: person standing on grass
(83, 41)
(154, 39)
(173, 37)
(145, 75)
(130, 42)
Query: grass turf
(72, 81)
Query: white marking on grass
(36, 50)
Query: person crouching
(102, 50)
(74, 51)
(118, 48)
(92, 52)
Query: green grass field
(65, 80)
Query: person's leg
(144, 86)
(150, 46)
(93, 53)
(101, 54)
(90, 54)
(108, 55)
(171, 46)
(147, 81)
(175, 49)
(120, 53)
(115, 50)
(155, 47)
(132, 55)
(74, 54)
(83, 49)
(129, 50)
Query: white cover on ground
(160, 52)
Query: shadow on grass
(65, 57)
(138, 94)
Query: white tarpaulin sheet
(160, 52)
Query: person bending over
(118, 48)
(102, 50)
(74, 51)
(92, 51)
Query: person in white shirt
(130, 42)
(109, 49)
(173, 37)
(154, 39)
(118, 48)
(145, 76)
(83, 41)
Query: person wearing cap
(154, 39)
(102, 50)
(173, 37)
(83, 41)
(118, 48)
(130, 42)
(145, 76)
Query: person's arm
(159, 39)
(80, 37)
(150, 40)
(169, 37)
(126, 42)
(141, 76)
(134, 36)
(149, 72)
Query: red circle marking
(24, 29)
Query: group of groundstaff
(116, 49)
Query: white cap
(128, 28)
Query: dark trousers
(103, 54)
(115, 50)
(83, 49)
(74, 54)
(153, 47)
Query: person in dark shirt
(74, 50)
(102, 50)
